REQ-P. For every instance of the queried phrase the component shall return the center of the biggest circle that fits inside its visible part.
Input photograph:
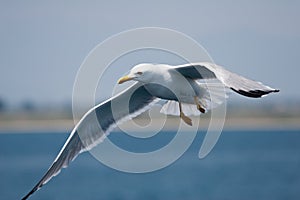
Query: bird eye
(139, 73)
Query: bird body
(161, 83)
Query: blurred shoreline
(278, 115)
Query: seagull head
(141, 72)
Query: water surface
(243, 165)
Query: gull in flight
(185, 89)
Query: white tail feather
(211, 95)
(172, 108)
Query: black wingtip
(254, 93)
(27, 195)
(37, 187)
(30, 193)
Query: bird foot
(202, 110)
(186, 119)
(199, 107)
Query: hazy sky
(43, 43)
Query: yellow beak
(124, 79)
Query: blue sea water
(243, 165)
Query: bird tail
(172, 108)
(210, 96)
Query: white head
(140, 72)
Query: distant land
(260, 115)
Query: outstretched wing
(96, 125)
(237, 83)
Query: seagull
(184, 89)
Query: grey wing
(69, 152)
(96, 124)
(196, 71)
(237, 83)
